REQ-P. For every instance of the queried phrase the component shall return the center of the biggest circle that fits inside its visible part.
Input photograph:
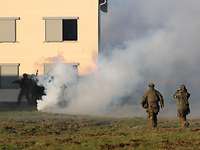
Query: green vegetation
(31, 130)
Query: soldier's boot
(187, 124)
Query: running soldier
(150, 102)
(181, 96)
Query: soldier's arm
(144, 100)
(188, 95)
(17, 82)
(161, 99)
(174, 96)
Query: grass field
(31, 130)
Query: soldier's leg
(154, 120)
(150, 120)
(28, 97)
(19, 98)
(185, 122)
(181, 118)
(180, 121)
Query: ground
(32, 130)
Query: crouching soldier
(150, 102)
(181, 96)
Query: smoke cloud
(142, 41)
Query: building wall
(31, 50)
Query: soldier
(36, 91)
(150, 102)
(25, 87)
(181, 96)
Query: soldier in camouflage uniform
(150, 102)
(30, 89)
(181, 96)
(25, 84)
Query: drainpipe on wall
(104, 8)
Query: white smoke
(143, 41)
(91, 94)
(164, 37)
(56, 82)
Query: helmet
(178, 89)
(151, 84)
(182, 87)
(25, 75)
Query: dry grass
(31, 130)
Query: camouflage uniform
(181, 96)
(150, 102)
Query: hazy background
(163, 37)
(142, 41)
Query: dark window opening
(8, 74)
(70, 30)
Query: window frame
(17, 65)
(47, 67)
(61, 18)
(15, 28)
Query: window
(71, 70)
(8, 74)
(69, 29)
(8, 29)
(48, 67)
(59, 29)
